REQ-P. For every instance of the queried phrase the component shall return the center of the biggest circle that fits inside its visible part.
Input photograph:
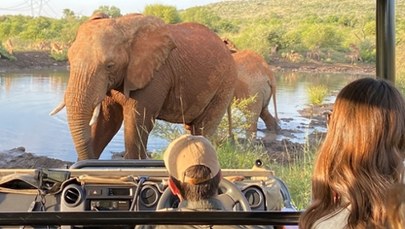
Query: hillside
(303, 30)
(295, 31)
(292, 10)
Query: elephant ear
(98, 15)
(150, 48)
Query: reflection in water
(26, 98)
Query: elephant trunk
(80, 102)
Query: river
(26, 98)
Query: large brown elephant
(135, 69)
(255, 78)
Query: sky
(54, 8)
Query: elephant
(135, 69)
(255, 78)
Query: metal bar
(151, 172)
(95, 163)
(385, 39)
(155, 218)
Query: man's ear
(175, 190)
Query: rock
(17, 158)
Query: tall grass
(297, 172)
(317, 94)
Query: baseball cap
(189, 150)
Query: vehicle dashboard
(122, 186)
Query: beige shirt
(335, 220)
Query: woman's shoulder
(335, 220)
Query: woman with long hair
(360, 159)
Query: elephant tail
(230, 124)
(273, 95)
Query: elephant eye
(110, 66)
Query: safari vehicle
(126, 193)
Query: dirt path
(278, 150)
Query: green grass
(297, 175)
(317, 94)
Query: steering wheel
(229, 195)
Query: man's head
(193, 167)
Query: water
(26, 98)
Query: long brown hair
(362, 154)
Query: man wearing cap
(194, 176)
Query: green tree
(68, 14)
(169, 14)
(255, 38)
(39, 28)
(321, 36)
(201, 15)
(111, 11)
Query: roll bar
(155, 218)
(385, 39)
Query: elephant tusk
(96, 112)
(58, 108)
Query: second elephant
(255, 78)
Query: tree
(169, 14)
(68, 14)
(321, 35)
(202, 15)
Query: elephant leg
(107, 125)
(230, 123)
(269, 120)
(140, 114)
(137, 126)
(253, 112)
(207, 123)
